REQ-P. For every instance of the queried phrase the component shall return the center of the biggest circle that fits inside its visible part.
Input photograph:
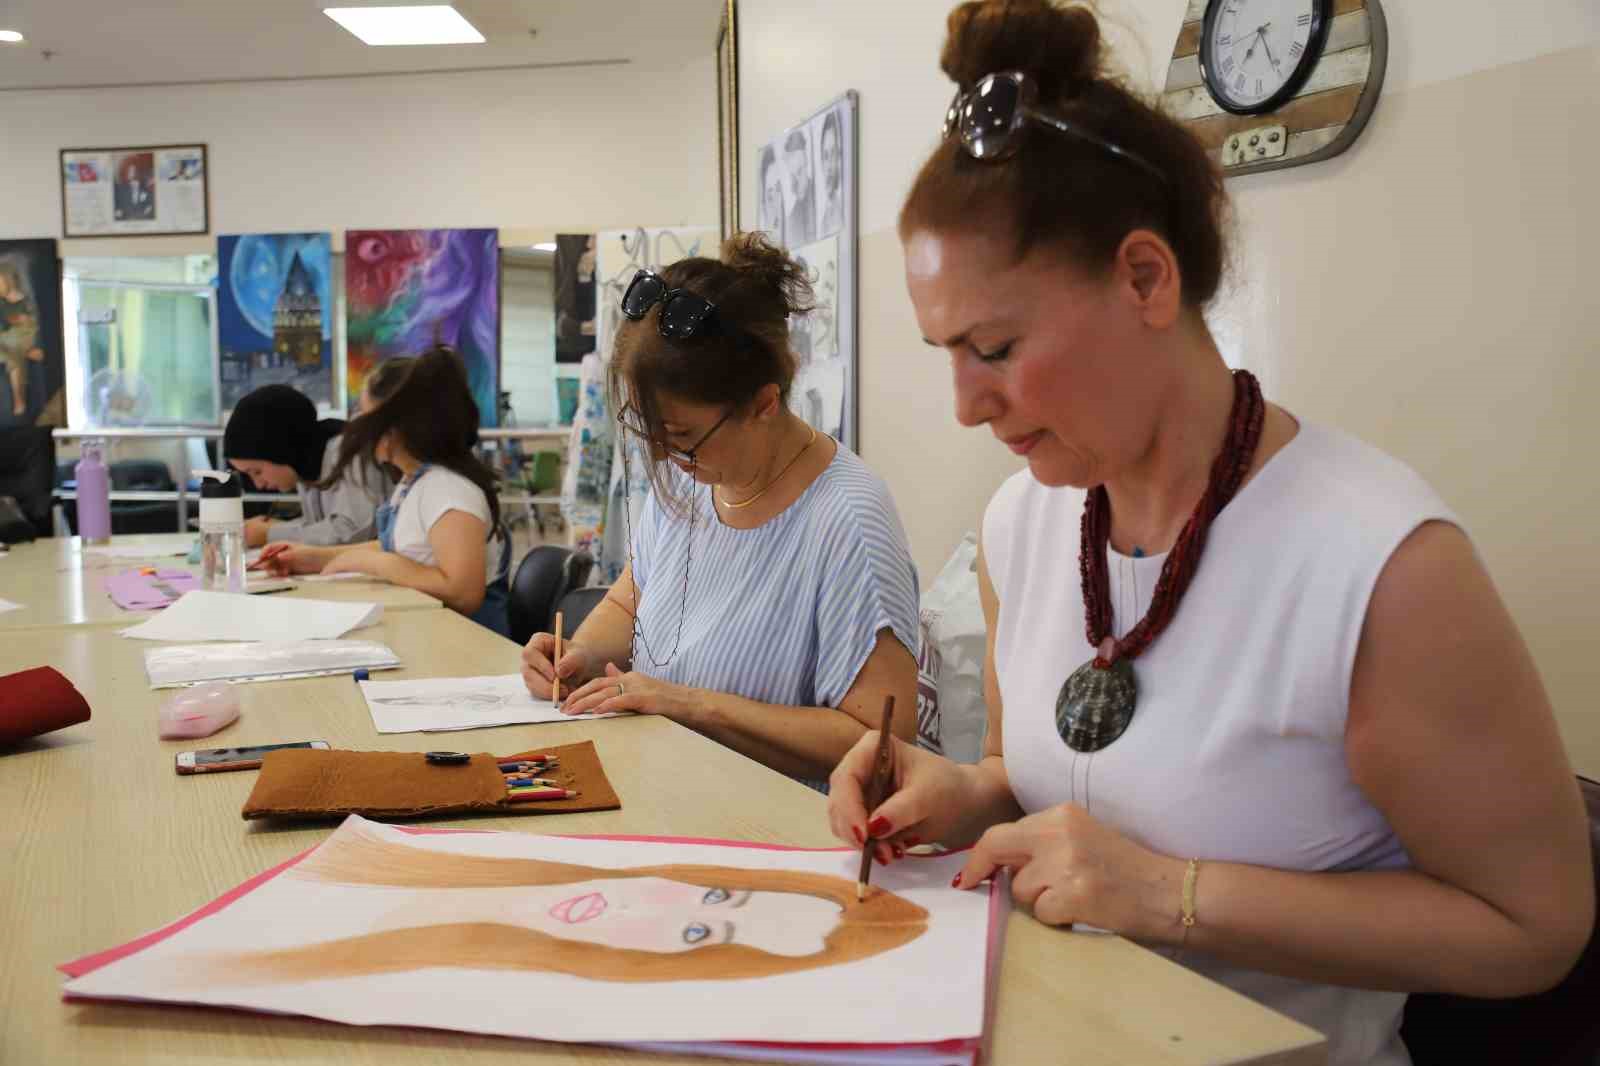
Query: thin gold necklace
(746, 503)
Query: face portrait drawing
(636, 924)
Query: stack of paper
(207, 615)
(190, 664)
(751, 951)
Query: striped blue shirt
(786, 613)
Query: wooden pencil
(555, 667)
(879, 786)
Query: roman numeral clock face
(1255, 54)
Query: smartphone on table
(216, 760)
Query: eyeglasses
(988, 118)
(628, 418)
(683, 314)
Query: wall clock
(1267, 84)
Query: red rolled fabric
(38, 701)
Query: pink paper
(133, 591)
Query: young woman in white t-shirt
(440, 531)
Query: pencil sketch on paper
(442, 704)
(461, 701)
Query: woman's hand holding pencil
(541, 662)
(929, 799)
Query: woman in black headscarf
(275, 438)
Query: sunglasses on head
(683, 314)
(989, 117)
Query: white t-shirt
(1236, 751)
(437, 492)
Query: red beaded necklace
(1097, 702)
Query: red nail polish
(860, 840)
(955, 882)
(899, 852)
(879, 826)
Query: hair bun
(756, 257)
(1058, 47)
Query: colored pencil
(878, 788)
(555, 667)
(271, 552)
(533, 794)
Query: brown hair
(755, 287)
(1063, 190)
(384, 378)
(882, 922)
(432, 409)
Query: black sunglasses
(628, 418)
(683, 314)
(988, 117)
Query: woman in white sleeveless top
(1339, 771)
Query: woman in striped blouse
(770, 601)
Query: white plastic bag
(952, 716)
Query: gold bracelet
(1186, 913)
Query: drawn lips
(579, 908)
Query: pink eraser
(199, 711)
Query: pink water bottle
(94, 495)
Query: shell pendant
(1096, 704)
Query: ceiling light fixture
(547, 246)
(11, 37)
(406, 24)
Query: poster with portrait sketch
(119, 192)
(807, 181)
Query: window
(141, 341)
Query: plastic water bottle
(221, 531)
(94, 494)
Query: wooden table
(59, 585)
(100, 841)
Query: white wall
(573, 149)
(1429, 291)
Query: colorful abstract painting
(275, 313)
(407, 290)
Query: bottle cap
(221, 498)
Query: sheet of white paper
(340, 577)
(173, 665)
(446, 704)
(207, 615)
(906, 968)
(137, 551)
(7, 605)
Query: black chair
(576, 605)
(545, 575)
(143, 475)
(27, 470)
(1560, 1027)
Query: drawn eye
(695, 932)
(716, 895)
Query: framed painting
(123, 192)
(728, 117)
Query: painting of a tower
(297, 318)
(275, 313)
